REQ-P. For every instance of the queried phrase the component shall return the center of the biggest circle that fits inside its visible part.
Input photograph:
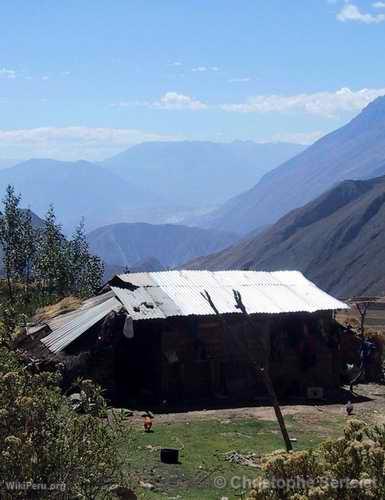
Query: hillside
(197, 173)
(337, 240)
(78, 189)
(355, 151)
(146, 265)
(131, 245)
(7, 162)
(36, 221)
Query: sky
(88, 78)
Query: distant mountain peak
(377, 105)
(76, 190)
(373, 114)
(51, 163)
(355, 151)
(199, 174)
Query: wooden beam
(262, 368)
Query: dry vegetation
(66, 305)
(375, 318)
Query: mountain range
(337, 240)
(151, 182)
(140, 245)
(355, 151)
(77, 189)
(197, 173)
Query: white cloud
(73, 142)
(239, 80)
(45, 77)
(168, 101)
(176, 63)
(298, 137)
(379, 5)
(202, 69)
(327, 104)
(351, 12)
(173, 100)
(7, 73)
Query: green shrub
(43, 441)
(348, 468)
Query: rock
(147, 486)
(75, 400)
(122, 492)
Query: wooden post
(277, 409)
(263, 369)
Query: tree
(28, 251)
(86, 269)
(362, 307)
(52, 266)
(17, 240)
(42, 258)
(66, 267)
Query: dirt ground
(206, 437)
(368, 401)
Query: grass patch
(204, 444)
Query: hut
(178, 337)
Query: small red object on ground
(147, 423)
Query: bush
(351, 467)
(43, 441)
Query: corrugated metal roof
(70, 326)
(179, 293)
(62, 319)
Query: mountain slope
(146, 265)
(130, 244)
(76, 189)
(198, 173)
(6, 163)
(337, 240)
(355, 151)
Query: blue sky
(85, 79)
